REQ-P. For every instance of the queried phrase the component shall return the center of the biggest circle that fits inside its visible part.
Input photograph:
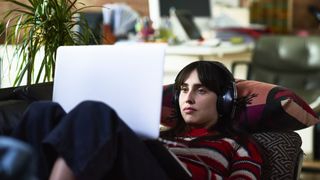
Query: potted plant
(43, 25)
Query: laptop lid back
(127, 77)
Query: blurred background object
(16, 160)
(121, 18)
(94, 20)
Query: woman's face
(197, 103)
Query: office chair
(289, 61)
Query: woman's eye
(201, 91)
(183, 89)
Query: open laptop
(127, 77)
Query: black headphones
(226, 104)
(226, 101)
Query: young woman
(92, 142)
(206, 105)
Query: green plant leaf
(43, 24)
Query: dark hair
(214, 76)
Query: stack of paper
(121, 16)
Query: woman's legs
(96, 144)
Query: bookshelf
(276, 15)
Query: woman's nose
(190, 98)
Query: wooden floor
(310, 170)
(310, 176)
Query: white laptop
(127, 77)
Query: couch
(282, 148)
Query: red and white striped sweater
(219, 159)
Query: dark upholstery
(14, 101)
(283, 154)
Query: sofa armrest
(282, 151)
(14, 101)
(11, 112)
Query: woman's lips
(188, 110)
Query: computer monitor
(94, 20)
(185, 18)
(201, 10)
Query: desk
(179, 56)
(201, 50)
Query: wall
(140, 5)
(302, 19)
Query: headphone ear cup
(226, 103)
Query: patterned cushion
(282, 152)
(273, 108)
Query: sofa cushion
(273, 108)
(14, 101)
(282, 154)
(10, 114)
